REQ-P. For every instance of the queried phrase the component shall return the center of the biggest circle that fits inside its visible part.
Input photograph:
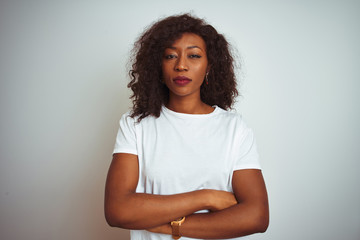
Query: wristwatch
(175, 225)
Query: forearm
(236, 221)
(127, 209)
(250, 215)
(141, 211)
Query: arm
(250, 215)
(126, 209)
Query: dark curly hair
(149, 93)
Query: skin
(186, 57)
(243, 212)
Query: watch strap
(175, 226)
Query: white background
(63, 89)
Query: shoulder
(129, 119)
(233, 123)
(230, 115)
(127, 116)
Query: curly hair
(149, 93)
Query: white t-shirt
(180, 152)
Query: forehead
(189, 40)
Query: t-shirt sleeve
(247, 154)
(126, 136)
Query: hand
(221, 199)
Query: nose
(181, 64)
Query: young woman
(183, 166)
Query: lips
(181, 80)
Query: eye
(170, 56)
(194, 56)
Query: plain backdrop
(63, 72)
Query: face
(184, 66)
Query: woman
(182, 165)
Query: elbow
(262, 226)
(117, 219)
(257, 220)
(113, 221)
(257, 225)
(261, 221)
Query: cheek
(165, 70)
(202, 66)
(166, 75)
(201, 70)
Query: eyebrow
(190, 47)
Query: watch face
(178, 221)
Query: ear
(208, 68)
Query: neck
(189, 106)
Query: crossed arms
(231, 214)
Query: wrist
(167, 229)
(176, 226)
